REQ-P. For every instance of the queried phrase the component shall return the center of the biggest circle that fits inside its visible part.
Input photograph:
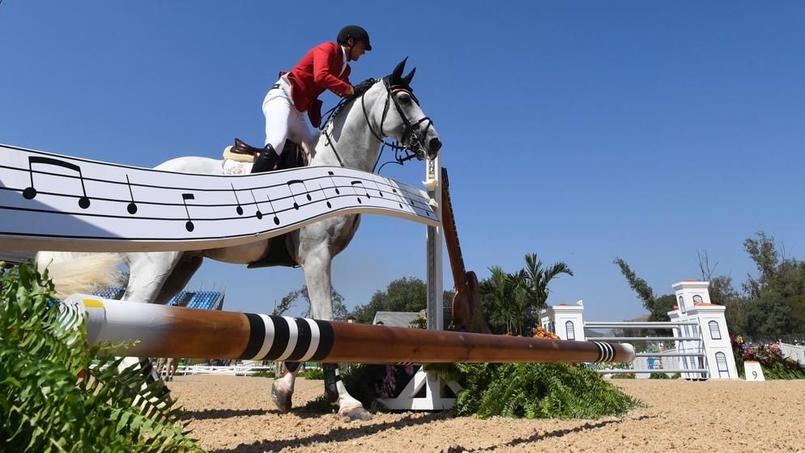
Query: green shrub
(538, 390)
(623, 376)
(264, 374)
(312, 373)
(56, 395)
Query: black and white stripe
(285, 338)
(605, 351)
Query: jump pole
(164, 331)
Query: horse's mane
(346, 102)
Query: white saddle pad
(236, 164)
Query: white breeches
(283, 120)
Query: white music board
(56, 202)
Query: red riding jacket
(318, 70)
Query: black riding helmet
(355, 32)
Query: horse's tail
(80, 272)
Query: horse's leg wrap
(331, 379)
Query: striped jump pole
(176, 332)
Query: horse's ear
(407, 79)
(396, 74)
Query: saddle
(293, 156)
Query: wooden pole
(164, 331)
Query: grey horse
(352, 138)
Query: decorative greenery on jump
(57, 394)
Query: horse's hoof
(281, 397)
(354, 413)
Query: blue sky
(578, 130)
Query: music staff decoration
(55, 202)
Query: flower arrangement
(770, 357)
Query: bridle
(412, 143)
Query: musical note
(132, 207)
(257, 214)
(188, 196)
(380, 192)
(398, 196)
(337, 192)
(290, 188)
(325, 196)
(239, 209)
(30, 192)
(273, 211)
(359, 183)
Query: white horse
(352, 138)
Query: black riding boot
(266, 160)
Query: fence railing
(688, 358)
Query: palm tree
(513, 301)
(538, 279)
(498, 289)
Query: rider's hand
(363, 86)
(350, 91)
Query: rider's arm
(323, 76)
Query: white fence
(234, 370)
(687, 356)
(793, 352)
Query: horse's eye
(405, 99)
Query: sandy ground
(234, 414)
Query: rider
(324, 67)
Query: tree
(404, 294)
(513, 301)
(537, 279)
(497, 294)
(658, 307)
(290, 299)
(775, 298)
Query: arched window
(571, 332)
(721, 364)
(715, 331)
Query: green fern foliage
(538, 390)
(58, 395)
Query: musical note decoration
(126, 208)
(239, 208)
(189, 224)
(131, 207)
(30, 192)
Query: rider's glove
(363, 86)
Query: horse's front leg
(317, 264)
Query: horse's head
(402, 116)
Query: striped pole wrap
(187, 333)
(283, 338)
(606, 353)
